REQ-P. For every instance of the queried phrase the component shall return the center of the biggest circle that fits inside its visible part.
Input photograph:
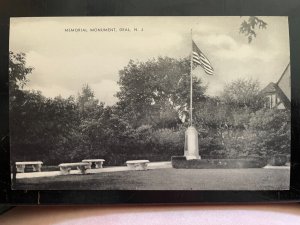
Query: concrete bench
(137, 164)
(97, 162)
(36, 166)
(65, 168)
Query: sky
(65, 60)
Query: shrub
(278, 160)
(266, 134)
(168, 137)
(272, 131)
(178, 158)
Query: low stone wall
(180, 162)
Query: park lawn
(166, 179)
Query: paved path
(151, 166)
(276, 167)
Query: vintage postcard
(150, 103)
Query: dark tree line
(148, 121)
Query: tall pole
(191, 147)
(191, 94)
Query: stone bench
(36, 166)
(137, 164)
(97, 162)
(65, 168)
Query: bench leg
(137, 166)
(143, 166)
(140, 166)
(98, 165)
(64, 170)
(37, 168)
(146, 166)
(20, 168)
(131, 166)
(82, 169)
(89, 166)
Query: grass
(166, 179)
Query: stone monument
(191, 149)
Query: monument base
(181, 162)
(191, 157)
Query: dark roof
(270, 88)
(286, 68)
(274, 88)
(286, 102)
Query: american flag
(199, 59)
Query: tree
(203, 116)
(42, 128)
(248, 27)
(91, 129)
(272, 131)
(18, 71)
(86, 100)
(243, 93)
(156, 90)
(267, 133)
(18, 75)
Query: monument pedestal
(191, 149)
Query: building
(278, 95)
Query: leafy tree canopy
(248, 27)
(86, 101)
(157, 91)
(243, 93)
(18, 71)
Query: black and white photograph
(150, 103)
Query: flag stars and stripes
(199, 59)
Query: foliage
(243, 93)
(267, 134)
(204, 117)
(168, 141)
(42, 127)
(156, 92)
(18, 71)
(248, 27)
(278, 160)
(86, 100)
(145, 122)
(272, 131)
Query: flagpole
(191, 146)
(191, 82)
